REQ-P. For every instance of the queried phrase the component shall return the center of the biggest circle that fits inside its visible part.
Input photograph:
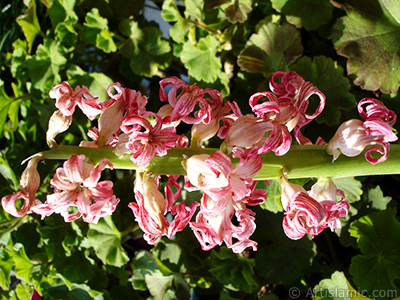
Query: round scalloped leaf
(271, 49)
(378, 236)
(201, 60)
(370, 41)
(310, 14)
(325, 74)
(336, 287)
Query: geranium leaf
(336, 287)
(5, 103)
(105, 239)
(229, 267)
(272, 261)
(271, 49)
(377, 199)
(30, 24)
(298, 12)
(325, 74)
(154, 54)
(238, 11)
(273, 201)
(350, 186)
(378, 236)
(44, 67)
(201, 60)
(370, 42)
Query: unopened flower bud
(30, 179)
(58, 123)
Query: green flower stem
(303, 161)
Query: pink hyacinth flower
(151, 207)
(313, 211)
(213, 224)
(77, 185)
(67, 98)
(144, 141)
(183, 103)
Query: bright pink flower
(151, 206)
(77, 185)
(67, 98)
(184, 102)
(353, 136)
(144, 140)
(227, 190)
(214, 225)
(311, 212)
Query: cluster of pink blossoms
(228, 191)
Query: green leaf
(97, 31)
(154, 53)
(66, 33)
(131, 29)
(308, 13)
(238, 11)
(23, 265)
(335, 288)
(44, 67)
(148, 275)
(105, 239)
(325, 74)
(6, 264)
(5, 103)
(231, 268)
(378, 236)
(201, 60)
(280, 260)
(370, 42)
(271, 49)
(273, 201)
(376, 198)
(170, 12)
(62, 10)
(30, 24)
(350, 186)
(194, 9)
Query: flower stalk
(302, 161)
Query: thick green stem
(304, 161)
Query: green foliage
(368, 38)
(271, 49)
(378, 266)
(346, 50)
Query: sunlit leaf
(44, 67)
(350, 186)
(30, 24)
(201, 60)
(308, 13)
(370, 42)
(5, 103)
(105, 239)
(273, 201)
(336, 287)
(271, 49)
(378, 236)
(325, 74)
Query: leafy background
(348, 49)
